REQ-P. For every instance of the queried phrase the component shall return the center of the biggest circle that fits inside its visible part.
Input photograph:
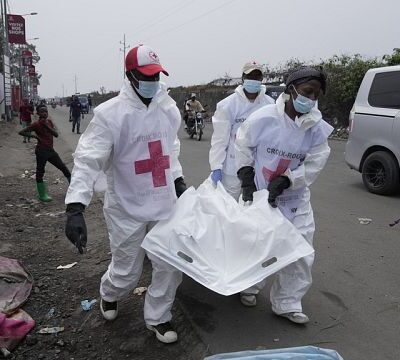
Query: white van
(373, 147)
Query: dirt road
(33, 233)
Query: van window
(385, 90)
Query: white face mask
(147, 89)
(252, 86)
(303, 104)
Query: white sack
(223, 245)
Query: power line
(164, 16)
(194, 19)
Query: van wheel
(380, 173)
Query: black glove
(180, 186)
(246, 176)
(276, 187)
(75, 228)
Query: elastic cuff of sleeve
(75, 208)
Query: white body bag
(223, 245)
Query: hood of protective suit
(304, 121)
(240, 91)
(223, 245)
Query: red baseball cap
(145, 60)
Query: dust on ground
(33, 233)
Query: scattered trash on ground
(140, 290)
(68, 266)
(15, 288)
(51, 330)
(394, 222)
(50, 314)
(364, 221)
(51, 214)
(87, 305)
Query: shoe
(109, 310)
(78, 132)
(185, 127)
(24, 141)
(164, 332)
(296, 317)
(42, 192)
(249, 300)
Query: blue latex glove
(216, 175)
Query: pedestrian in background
(75, 111)
(25, 116)
(44, 132)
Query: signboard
(31, 70)
(35, 90)
(7, 81)
(26, 58)
(16, 29)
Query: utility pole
(6, 62)
(123, 43)
(76, 88)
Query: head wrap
(304, 74)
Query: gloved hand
(75, 228)
(276, 187)
(216, 175)
(180, 186)
(246, 176)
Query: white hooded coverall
(231, 112)
(274, 144)
(137, 148)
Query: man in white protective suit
(231, 112)
(133, 139)
(283, 148)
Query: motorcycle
(53, 105)
(195, 124)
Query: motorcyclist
(231, 112)
(192, 106)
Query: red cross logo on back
(270, 175)
(157, 164)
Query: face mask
(147, 89)
(303, 104)
(252, 86)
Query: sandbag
(224, 245)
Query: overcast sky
(197, 40)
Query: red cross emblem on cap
(153, 56)
(157, 164)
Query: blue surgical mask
(147, 89)
(303, 104)
(252, 86)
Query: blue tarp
(296, 353)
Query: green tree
(344, 74)
(393, 59)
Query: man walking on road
(133, 139)
(231, 112)
(75, 114)
(45, 130)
